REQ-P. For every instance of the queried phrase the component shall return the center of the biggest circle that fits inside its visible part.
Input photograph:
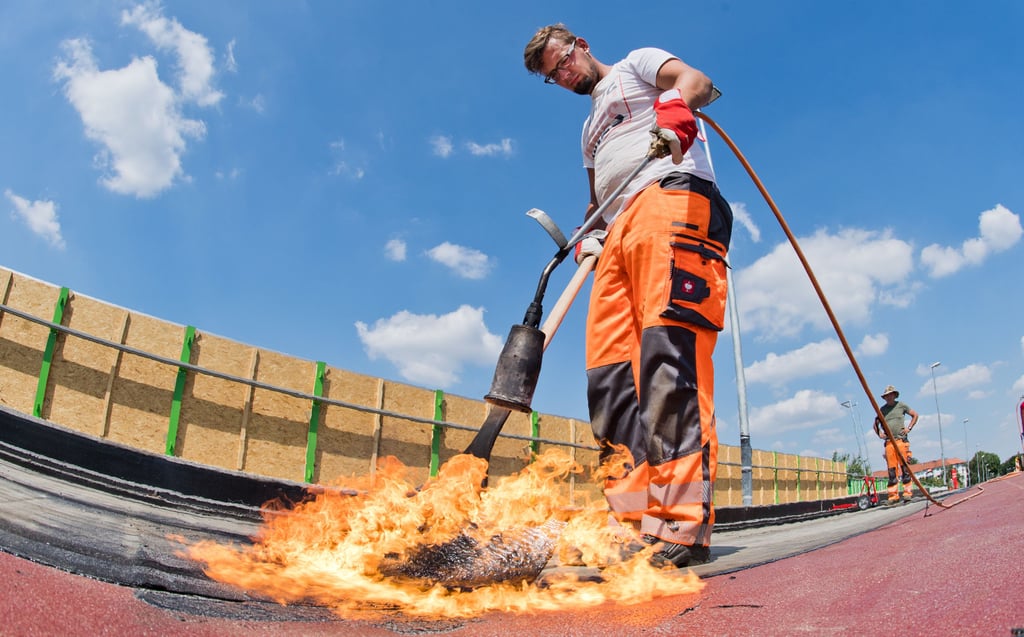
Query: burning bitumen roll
(464, 562)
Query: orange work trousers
(893, 463)
(657, 305)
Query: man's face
(570, 66)
(890, 398)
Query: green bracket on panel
(51, 345)
(435, 434)
(314, 420)
(775, 463)
(179, 391)
(799, 474)
(534, 432)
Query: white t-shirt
(616, 134)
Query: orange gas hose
(821, 295)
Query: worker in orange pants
(895, 414)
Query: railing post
(179, 391)
(436, 433)
(51, 345)
(314, 421)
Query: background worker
(659, 291)
(895, 414)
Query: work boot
(677, 555)
(907, 497)
(893, 500)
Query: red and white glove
(674, 123)
(592, 244)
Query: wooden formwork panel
(787, 475)
(83, 372)
(276, 434)
(810, 479)
(510, 455)
(406, 440)
(837, 484)
(729, 477)
(559, 429)
(347, 438)
(587, 487)
(462, 411)
(763, 477)
(210, 425)
(141, 394)
(23, 342)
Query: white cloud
(504, 147)
(857, 269)
(442, 145)
(195, 59)
(257, 103)
(1018, 386)
(804, 410)
(742, 216)
(133, 115)
(344, 166)
(959, 380)
(874, 345)
(810, 360)
(229, 58)
(829, 437)
(466, 262)
(40, 216)
(999, 229)
(394, 250)
(429, 349)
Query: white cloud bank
(432, 350)
(999, 230)
(131, 113)
(857, 269)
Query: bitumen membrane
(84, 552)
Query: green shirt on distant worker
(895, 417)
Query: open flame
(334, 549)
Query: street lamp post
(966, 451)
(861, 451)
(938, 414)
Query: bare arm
(696, 87)
(913, 418)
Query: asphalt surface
(83, 554)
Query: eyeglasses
(552, 77)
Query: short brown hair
(533, 55)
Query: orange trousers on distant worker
(893, 463)
(657, 305)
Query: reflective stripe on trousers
(894, 465)
(657, 304)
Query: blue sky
(348, 182)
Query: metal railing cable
(172, 362)
(267, 386)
